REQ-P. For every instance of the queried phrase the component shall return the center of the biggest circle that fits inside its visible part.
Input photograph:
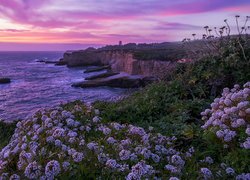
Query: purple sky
(74, 24)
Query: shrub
(229, 117)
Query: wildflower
(208, 160)
(246, 144)
(125, 142)
(82, 142)
(132, 176)
(14, 177)
(111, 140)
(72, 140)
(70, 122)
(155, 158)
(243, 176)
(173, 178)
(230, 171)
(52, 169)
(71, 151)
(116, 126)
(248, 131)
(137, 130)
(96, 119)
(33, 170)
(206, 173)
(111, 163)
(171, 168)
(146, 153)
(177, 160)
(102, 158)
(77, 157)
(133, 157)
(92, 145)
(50, 139)
(58, 143)
(72, 134)
(66, 165)
(124, 154)
(123, 167)
(141, 169)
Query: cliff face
(119, 62)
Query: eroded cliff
(119, 61)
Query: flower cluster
(53, 143)
(57, 143)
(229, 116)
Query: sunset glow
(95, 22)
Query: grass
(6, 132)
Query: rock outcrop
(4, 80)
(120, 80)
(102, 75)
(95, 69)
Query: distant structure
(120, 43)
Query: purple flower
(206, 173)
(171, 168)
(52, 169)
(33, 170)
(77, 157)
(111, 163)
(124, 155)
(177, 160)
(230, 171)
(155, 158)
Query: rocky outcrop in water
(120, 80)
(96, 69)
(4, 80)
(102, 75)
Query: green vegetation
(6, 131)
(173, 106)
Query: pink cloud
(106, 21)
(13, 30)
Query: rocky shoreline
(121, 68)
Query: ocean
(38, 85)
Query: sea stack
(4, 80)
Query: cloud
(176, 26)
(13, 30)
(59, 13)
(102, 21)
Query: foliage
(6, 130)
(73, 141)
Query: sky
(77, 24)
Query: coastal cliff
(119, 61)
